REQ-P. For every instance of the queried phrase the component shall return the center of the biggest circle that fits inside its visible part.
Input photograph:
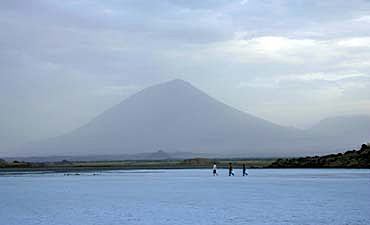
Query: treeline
(193, 163)
(23, 164)
(350, 159)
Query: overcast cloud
(291, 62)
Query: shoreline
(355, 159)
(19, 171)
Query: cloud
(355, 42)
(343, 55)
(244, 2)
(274, 48)
(308, 81)
(362, 19)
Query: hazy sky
(291, 62)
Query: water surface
(276, 196)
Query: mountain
(177, 117)
(343, 131)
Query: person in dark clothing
(244, 170)
(231, 172)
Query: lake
(266, 196)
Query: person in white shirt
(215, 170)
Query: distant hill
(344, 130)
(158, 155)
(177, 117)
(349, 159)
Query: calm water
(330, 197)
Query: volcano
(177, 117)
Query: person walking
(231, 172)
(215, 169)
(244, 170)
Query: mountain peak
(177, 83)
(170, 89)
(178, 80)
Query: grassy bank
(66, 166)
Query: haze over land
(177, 117)
(62, 63)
